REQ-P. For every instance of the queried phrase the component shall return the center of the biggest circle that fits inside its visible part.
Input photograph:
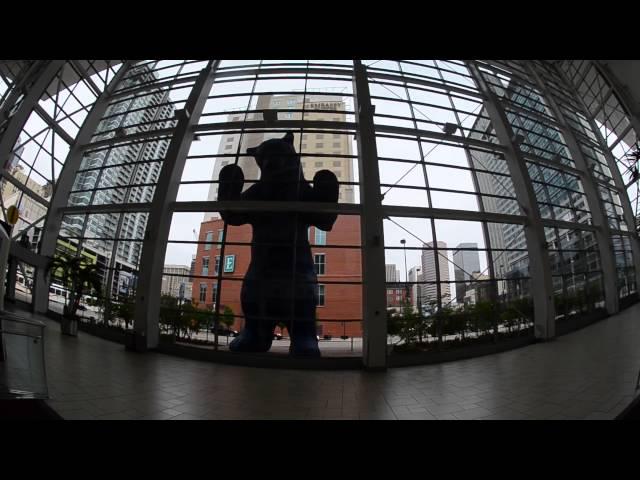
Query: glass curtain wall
(456, 258)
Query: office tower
(392, 273)
(16, 155)
(135, 164)
(175, 281)
(310, 143)
(397, 292)
(414, 276)
(192, 268)
(466, 263)
(30, 209)
(539, 140)
(431, 276)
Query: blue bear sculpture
(280, 283)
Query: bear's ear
(288, 137)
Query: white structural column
(596, 208)
(539, 264)
(20, 85)
(33, 91)
(154, 247)
(33, 88)
(374, 296)
(63, 188)
(15, 113)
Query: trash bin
(135, 342)
(22, 372)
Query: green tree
(446, 322)
(193, 319)
(459, 320)
(227, 318)
(170, 313)
(593, 295)
(394, 323)
(190, 316)
(78, 276)
(524, 309)
(485, 312)
(402, 325)
(125, 309)
(510, 317)
(410, 324)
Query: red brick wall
(396, 297)
(342, 302)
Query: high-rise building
(175, 281)
(320, 146)
(136, 164)
(479, 289)
(431, 277)
(15, 156)
(397, 292)
(414, 276)
(192, 269)
(31, 211)
(392, 273)
(558, 203)
(465, 264)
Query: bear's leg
(304, 337)
(257, 334)
(251, 339)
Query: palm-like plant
(78, 276)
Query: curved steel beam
(63, 188)
(154, 247)
(539, 262)
(596, 208)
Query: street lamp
(406, 275)
(418, 299)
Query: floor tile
(587, 374)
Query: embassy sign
(324, 105)
(229, 263)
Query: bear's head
(278, 160)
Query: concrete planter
(69, 326)
(405, 359)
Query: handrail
(5, 315)
(9, 332)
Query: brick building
(397, 296)
(339, 311)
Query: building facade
(433, 277)
(339, 271)
(323, 145)
(176, 281)
(392, 273)
(414, 291)
(135, 166)
(465, 264)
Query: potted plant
(80, 278)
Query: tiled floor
(588, 374)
